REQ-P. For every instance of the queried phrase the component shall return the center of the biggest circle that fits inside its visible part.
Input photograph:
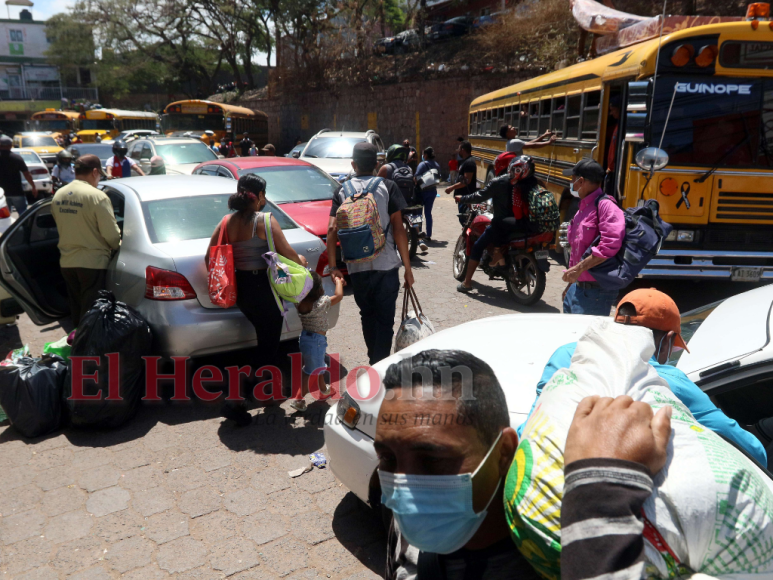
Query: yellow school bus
(717, 187)
(57, 122)
(109, 123)
(196, 116)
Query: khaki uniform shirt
(88, 232)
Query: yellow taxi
(43, 144)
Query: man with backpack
(397, 169)
(596, 218)
(366, 217)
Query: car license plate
(740, 274)
(542, 254)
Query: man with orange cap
(655, 310)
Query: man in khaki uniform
(88, 234)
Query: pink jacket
(588, 224)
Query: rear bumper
(185, 328)
(706, 264)
(351, 455)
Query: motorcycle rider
(119, 165)
(510, 204)
(63, 173)
(398, 170)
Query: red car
(304, 191)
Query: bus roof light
(757, 10)
(682, 54)
(706, 56)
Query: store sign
(15, 49)
(41, 73)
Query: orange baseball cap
(654, 310)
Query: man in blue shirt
(652, 309)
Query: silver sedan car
(166, 222)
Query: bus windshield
(715, 121)
(48, 125)
(93, 125)
(182, 122)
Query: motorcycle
(526, 256)
(413, 222)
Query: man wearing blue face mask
(445, 446)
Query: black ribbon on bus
(685, 192)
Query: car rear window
(29, 156)
(181, 153)
(193, 218)
(294, 184)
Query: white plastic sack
(415, 325)
(711, 504)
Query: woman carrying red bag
(247, 235)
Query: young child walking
(312, 311)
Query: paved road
(179, 493)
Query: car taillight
(167, 285)
(323, 268)
(39, 171)
(5, 212)
(449, 27)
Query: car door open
(29, 265)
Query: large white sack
(711, 504)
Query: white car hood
(181, 168)
(331, 166)
(517, 346)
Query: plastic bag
(13, 356)
(59, 348)
(31, 394)
(222, 276)
(109, 327)
(414, 326)
(711, 504)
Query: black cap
(588, 169)
(364, 152)
(89, 162)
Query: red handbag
(222, 275)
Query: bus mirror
(651, 159)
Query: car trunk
(188, 256)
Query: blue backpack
(644, 233)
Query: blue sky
(42, 10)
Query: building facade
(29, 84)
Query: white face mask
(573, 191)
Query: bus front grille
(734, 205)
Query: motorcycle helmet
(120, 148)
(502, 162)
(64, 157)
(397, 152)
(521, 167)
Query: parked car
(39, 171)
(102, 150)
(181, 155)
(166, 223)
(43, 144)
(331, 151)
(405, 41)
(458, 26)
(730, 358)
(135, 133)
(303, 191)
(295, 152)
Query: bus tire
(489, 177)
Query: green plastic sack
(59, 348)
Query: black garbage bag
(109, 327)
(31, 394)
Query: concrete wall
(429, 113)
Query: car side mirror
(296, 154)
(45, 221)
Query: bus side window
(573, 114)
(544, 116)
(590, 116)
(533, 118)
(523, 120)
(559, 112)
(472, 124)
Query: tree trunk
(422, 16)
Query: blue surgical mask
(434, 512)
(573, 191)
